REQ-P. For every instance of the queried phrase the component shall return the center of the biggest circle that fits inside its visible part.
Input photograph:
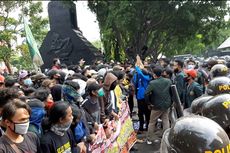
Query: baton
(177, 101)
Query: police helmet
(218, 109)
(219, 70)
(198, 103)
(194, 134)
(218, 85)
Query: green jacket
(159, 93)
(180, 83)
(192, 92)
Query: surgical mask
(191, 67)
(100, 92)
(21, 128)
(28, 82)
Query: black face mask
(113, 85)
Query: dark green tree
(164, 26)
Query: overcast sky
(87, 21)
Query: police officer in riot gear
(218, 109)
(195, 134)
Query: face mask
(66, 126)
(49, 104)
(190, 67)
(21, 128)
(100, 92)
(28, 82)
(113, 85)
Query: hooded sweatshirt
(37, 114)
(106, 102)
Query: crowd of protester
(60, 110)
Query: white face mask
(191, 67)
(21, 128)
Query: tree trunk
(7, 63)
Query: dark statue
(64, 40)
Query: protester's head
(76, 116)
(86, 72)
(167, 73)
(178, 65)
(110, 82)
(56, 61)
(71, 92)
(25, 79)
(47, 83)
(54, 74)
(157, 71)
(37, 112)
(56, 92)
(61, 115)
(38, 79)
(163, 62)
(11, 82)
(15, 116)
(29, 91)
(45, 96)
(191, 64)
(120, 76)
(190, 75)
(93, 88)
(6, 95)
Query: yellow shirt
(118, 94)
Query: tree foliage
(12, 27)
(166, 27)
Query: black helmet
(198, 103)
(219, 70)
(194, 134)
(218, 109)
(218, 85)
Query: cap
(191, 73)
(38, 76)
(2, 79)
(23, 74)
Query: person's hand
(96, 126)
(81, 62)
(82, 147)
(116, 117)
(93, 138)
(106, 122)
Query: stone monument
(65, 40)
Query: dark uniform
(180, 83)
(192, 92)
(159, 91)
